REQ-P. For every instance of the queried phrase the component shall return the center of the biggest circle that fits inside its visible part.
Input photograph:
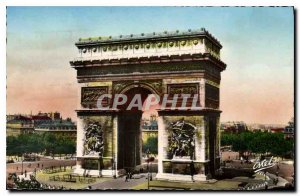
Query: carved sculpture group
(181, 142)
(94, 144)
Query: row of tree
(258, 142)
(46, 143)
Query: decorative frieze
(119, 86)
(138, 68)
(212, 49)
(166, 43)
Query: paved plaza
(140, 181)
(38, 165)
(120, 183)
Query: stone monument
(109, 141)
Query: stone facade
(159, 63)
(152, 44)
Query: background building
(40, 123)
(60, 127)
(149, 128)
(18, 124)
(234, 127)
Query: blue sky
(257, 47)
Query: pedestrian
(25, 173)
(42, 166)
(38, 165)
(126, 177)
(17, 168)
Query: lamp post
(22, 164)
(149, 160)
(150, 171)
(277, 170)
(148, 154)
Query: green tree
(39, 143)
(151, 144)
(49, 140)
(258, 142)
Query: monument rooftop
(148, 37)
(167, 43)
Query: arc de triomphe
(156, 63)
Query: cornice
(149, 60)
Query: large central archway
(129, 130)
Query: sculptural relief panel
(184, 136)
(184, 88)
(93, 143)
(90, 95)
(182, 141)
(190, 89)
(98, 136)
